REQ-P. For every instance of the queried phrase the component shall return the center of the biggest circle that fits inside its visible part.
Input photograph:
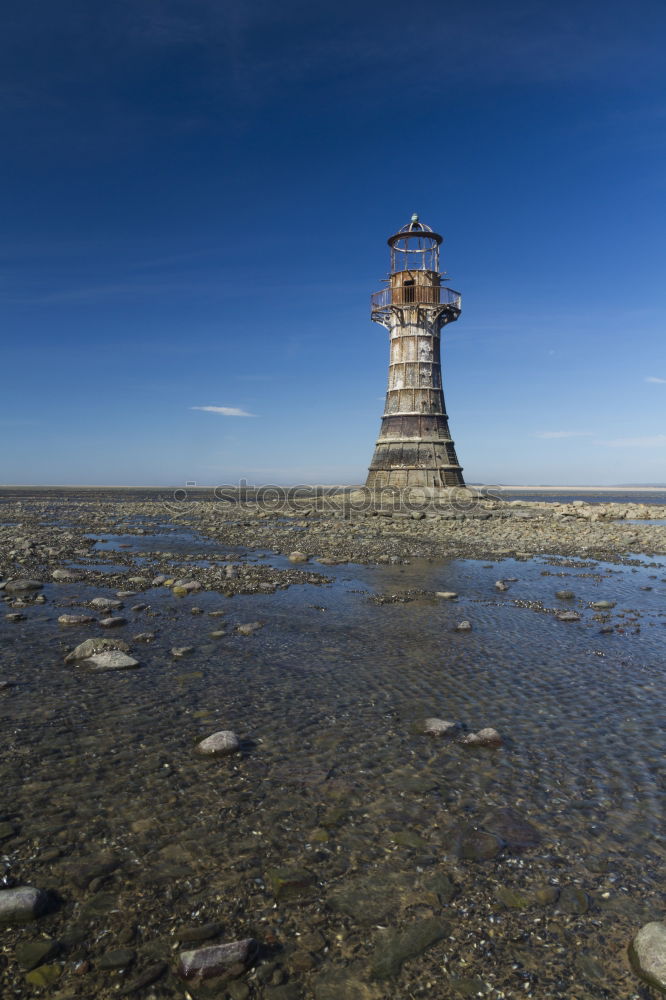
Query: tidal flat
(344, 847)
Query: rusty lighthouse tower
(414, 446)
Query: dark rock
(565, 595)
(44, 976)
(518, 833)
(121, 958)
(574, 900)
(99, 867)
(202, 932)
(30, 954)
(149, 976)
(474, 844)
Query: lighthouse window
(409, 292)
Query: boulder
(647, 953)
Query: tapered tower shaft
(415, 446)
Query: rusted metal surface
(415, 446)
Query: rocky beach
(331, 748)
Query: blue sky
(196, 199)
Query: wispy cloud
(550, 435)
(650, 441)
(224, 411)
(653, 378)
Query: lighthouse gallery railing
(425, 295)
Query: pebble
(75, 619)
(501, 585)
(113, 622)
(447, 595)
(110, 659)
(222, 743)
(144, 637)
(463, 626)
(647, 953)
(602, 605)
(565, 595)
(182, 650)
(22, 904)
(203, 963)
(298, 557)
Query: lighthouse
(414, 448)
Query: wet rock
(444, 888)
(647, 953)
(574, 900)
(463, 626)
(21, 904)
(113, 622)
(547, 895)
(75, 619)
(44, 976)
(30, 954)
(447, 595)
(514, 899)
(204, 963)
(474, 844)
(394, 947)
(105, 603)
(567, 616)
(110, 659)
(483, 738)
(63, 574)
(121, 958)
(290, 883)
(602, 605)
(442, 727)
(95, 868)
(22, 586)
(517, 832)
(5, 685)
(298, 557)
(144, 637)
(96, 645)
(249, 628)
(15, 616)
(501, 585)
(565, 595)
(179, 651)
(409, 838)
(222, 743)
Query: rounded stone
(21, 904)
(441, 727)
(647, 953)
(297, 557)
(220, 744)
(483, 738)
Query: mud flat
(358, 836)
